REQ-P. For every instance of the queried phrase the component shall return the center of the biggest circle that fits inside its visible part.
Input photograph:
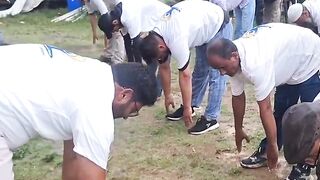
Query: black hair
(222, 47)
(149, 47)
(138, 78)
(116, 12)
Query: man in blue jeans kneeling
(275, 55)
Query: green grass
(145, 147)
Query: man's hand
(168, 100)
(240, 135)
(94, 37)
(187, 116)
(272, 156)
(270, 128)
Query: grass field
(146, 147)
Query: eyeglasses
(162, 60)
(135, 113)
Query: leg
(199, 76)
(310, 88)
(259, 12)
(307, 90)
(285, 97)
(247, 18)
(217, 83)
(128, 47)
(238, 28)
(6, 171)
(271, 12)
(115, 48)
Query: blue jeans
(244, 18)
(203, 75)
(287, 96)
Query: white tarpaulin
(20, 6)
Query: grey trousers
(271, 12)
(115, 49)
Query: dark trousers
(288, 95)
(259, 12)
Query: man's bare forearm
(238, 106)
(165, 76)
(268, 120)
(93, 23)
(185, 87)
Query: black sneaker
(178, 114)
(203, 126)
(256, 160)
(300, 172)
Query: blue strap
(171, 10)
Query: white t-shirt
(313, 7)
(48, 92)
(229, 5)
(103, 6)
(275, 54)
(189, 24)
(141, 15)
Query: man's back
(52, 93)
(275, 54)
(141, 15)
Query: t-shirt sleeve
(89, 8)
(263, 81)
(93, 132)
(131, 22)
(237, 86)
(180, 51)
(100, 5)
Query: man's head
(153, 48)
(135, 86)
(301, 133)
(223, 55)
(299, 14)
(110, 22)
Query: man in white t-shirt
(58, 95)
(114, 47)
(306, 14)
(274, 55)
(134, 17)
(186, 25)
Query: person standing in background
(244, 11)
(271, 11)
(114, 51)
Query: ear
(115, 22)
(124, 96)
(235, 56)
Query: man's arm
(269, 125)
(93, 23)
(186, 92)
(77, 167)
(165, 76)
(238, 106)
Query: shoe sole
(253, 166)
(177, 119)
(209, 129)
